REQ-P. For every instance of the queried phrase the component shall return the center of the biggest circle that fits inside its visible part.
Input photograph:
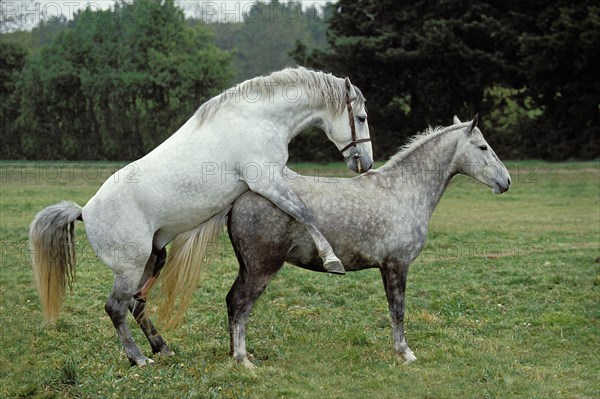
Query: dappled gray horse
(377, 220)
(237, 141)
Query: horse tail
(181, 274)
(52, 247)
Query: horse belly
(304, 253)
(161, 201)
(192, 204)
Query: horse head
(349, 130)
(475, 158)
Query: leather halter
(354, 141)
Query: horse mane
(322, 89)
(419, 139)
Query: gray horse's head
(475, 158)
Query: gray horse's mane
(419, 139)
(323, 89)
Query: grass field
(504, 302)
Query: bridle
(354, 141)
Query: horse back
(260, 230)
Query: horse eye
(483, 147)
(361, 119)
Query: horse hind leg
(137, 305)
(248, 286)
(157, 342)
(129, 266)
(240, 301)
(116, 306)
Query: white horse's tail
(181, 275)
(52, 246)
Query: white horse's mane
(419, 139)
(323, 89)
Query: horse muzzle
(501, 187)
(359, 163)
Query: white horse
(235, 142)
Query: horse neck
(302, 116)
(294, 114)
(425, 171)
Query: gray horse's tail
(52, 246)
(181, 274)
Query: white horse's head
(475, 158)
(349, 131)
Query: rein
(354, 141)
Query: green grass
(504, 302)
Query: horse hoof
(248, 364)
(142, 362)
(165, 352)
(245, 361)
(334, 267)
(409, 357)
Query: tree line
(530, 68)
(113, 84)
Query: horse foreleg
(280, 194)
(394, 282)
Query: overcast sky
(31, 12)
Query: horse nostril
(509, 181)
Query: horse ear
(473, 123)
(350, 88)
(455, 120)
